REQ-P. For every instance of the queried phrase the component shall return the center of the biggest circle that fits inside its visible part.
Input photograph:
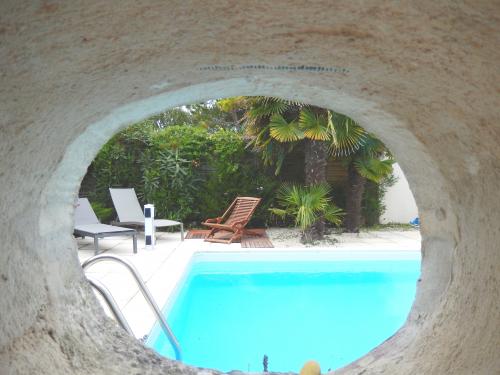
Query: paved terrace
(164, 265)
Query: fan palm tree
(306, 205)
(365, 157)
(276, 126)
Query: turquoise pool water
(228, 315)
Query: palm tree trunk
(354, 198)
(316, 155)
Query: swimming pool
(230, 313)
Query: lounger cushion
(84, 214)
(92, 229)
(166, 223)
(129, 210)
(127, 205)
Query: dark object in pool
(265, 362)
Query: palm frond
(334, 214)
(279, 158)
(288, 195)
(278, 212)
(319, 196)
(374, 169)
(374, 147)
(273, 153)
(305, 204)
(347, 135)
(284, 131)
(262, 106)
(315, 127)
(306, 217)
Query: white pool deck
(163, 266)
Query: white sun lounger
(129, 210)
(87, 224)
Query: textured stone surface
(421, 75)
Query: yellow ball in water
(310, 368)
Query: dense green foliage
(373, 201)
(211, 115)
(192, 161)
(277, 126)
(188, 172)
(104, 214)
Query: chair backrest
(241, 210)
(84, 214)
(127, 205)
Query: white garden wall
(400, 205)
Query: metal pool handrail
(113, 306)
(145, 292)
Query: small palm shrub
(306, 205)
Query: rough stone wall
(421, 75)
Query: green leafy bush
(104, 214)
(188, 173)
(373, 200)
(192, 173)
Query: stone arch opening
(63, 186)
(422, 77)
(245, 89)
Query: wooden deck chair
(233, 221)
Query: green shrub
(306, 205)
(373, 200)
(104, 214)
(188, 173)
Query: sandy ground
(290, 238)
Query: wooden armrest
(214, 220)
(239, 224)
